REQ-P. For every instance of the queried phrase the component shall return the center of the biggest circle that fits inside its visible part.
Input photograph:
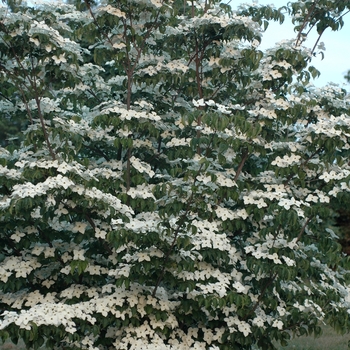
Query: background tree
(347, 77)
(173, 186)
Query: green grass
(329, 340)
(10, 346)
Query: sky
(336, 60)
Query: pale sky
(336, 60)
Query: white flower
(244, 328)
(4, 275)
(49, 252)
(287, 203)
(288, 261)
(79, 227)
(260, 203)
(286, 160)
(78, 254)
(223, 109)
(100, 233)
(240, 287)
(311, 198)
(275, 258)
(17, 236)
(275, 74)
(210, 103)
(224, 214)
(269, 113)
(119, 45)
(328, 176)
(248, 199)
(281, 310)
(48, 283)
(111, 10)
(59, 59)
(278, 324)
(64, 167)
(61, 210)
(141, 191)
(141, 166)
(242, 213)
(93, 270)
(258, 321)
(283, 64)
(199, 103)
(178, 142)
(63, 181)
(35, 41)
(143, 257)
(65, 270)
(259, 254)
(224, 181)
(322, 197)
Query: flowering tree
(174, 183)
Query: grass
(329, 340)
(10, 346)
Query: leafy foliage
(172, 189)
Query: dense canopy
(173, 184)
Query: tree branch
(176, 233)
(245, 156)
(104, 243)
(303, 229)
(310, 12)
(268, 283)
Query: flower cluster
(174, 184)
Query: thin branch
(176, 233)
(49, 242)
(128, 170)
(40, 114)
(198, 74)
(310, 29)
(18, 85)
(93, 94)
(95, 21)
(344, 14)
(12, 245)
(303, 229)
(310, 12)
(318, 39)
(91, 222)
(104, 243)
(302, 165)
(43, 126)
(245, 156)
(33, 85)
(167, 257)
(6, 98)
(98, 151)
(268, 283)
